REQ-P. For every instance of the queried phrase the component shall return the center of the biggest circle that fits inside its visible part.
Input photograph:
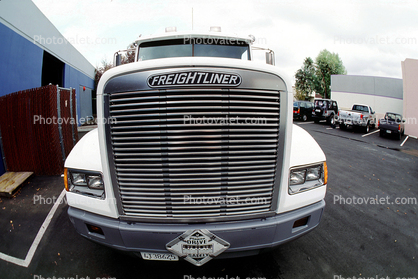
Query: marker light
(66, 179)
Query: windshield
(361, 108)
(393, 117)
(183, 48)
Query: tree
(100, 70)
(127, 57)
(316, 77)
(305, 79)
(327, 64)
(300, 95)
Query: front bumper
(247, 237)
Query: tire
(331, 120)
(367, 128)
(343, 127)
(316, 120)
(304, 118)
(399, 136)
(381, 134)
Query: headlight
(84, 183)
(95, 182)
(307, 177)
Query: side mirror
(117, 59)
(270, 58)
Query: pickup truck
(361, 116)
(391, 124)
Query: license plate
(159, 256)
(388, 131)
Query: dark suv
(325, 109)
(302, 110)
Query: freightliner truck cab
(195, 155)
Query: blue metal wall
(75, 79)
(21, 69)
(20, 65)
(20, 62)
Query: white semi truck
(195, 155)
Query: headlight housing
(308, 177)
(84, 182)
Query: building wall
(20, 62)
(410, 92)
(379, 104)
(26, 34)
(77, 80)
(382, 94)
(24, 44)
(24, 18)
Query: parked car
(302, 110)
(361, 116)
(325, 109)
(392, 124)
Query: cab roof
(187, 35)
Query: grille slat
(161, 159)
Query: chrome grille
(169, 166)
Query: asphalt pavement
(369, 228)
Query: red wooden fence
(38, 130)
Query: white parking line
(370, 133)
(303, 123)
(407, 137)
(330, 128)
(26, 262)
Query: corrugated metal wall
(38, 129)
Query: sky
(371, 37)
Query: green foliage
(300, 95)
(327, 64)
(316, 77)
(305, 79)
